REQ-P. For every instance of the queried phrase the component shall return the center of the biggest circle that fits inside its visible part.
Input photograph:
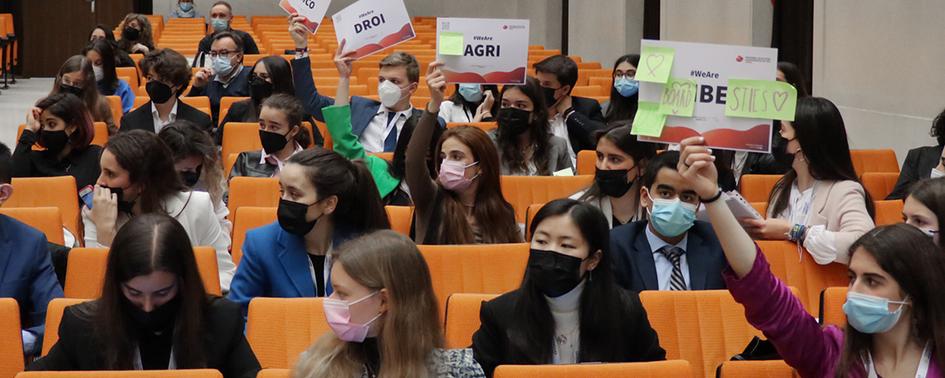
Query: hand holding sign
(436, 81)
(298, 31)
(343, 61)
(655, 64)
(312, 11)
(767, 99)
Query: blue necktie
(390, 143)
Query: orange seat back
(11, 342)
(253, 191)
(45, 219)
(888, 212)
(529, 217)
(757, 188)
(57, 191)
(883, 160)
(248, 218)
(131, 73)
(53, 319)
(832, 310)
(752, 369)
(273, 373)
(196, 101)
(586, 162)
(462, 318)
(85, 272)
(280, 329)
(879, 184)
(523, 191)
(484, 126)
(799, 270)
(184, 373)
(400, 218)
(114, 102)
(658, 369)
(226, 103)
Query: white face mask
(937, 173)
(99, 72)
(389, 93)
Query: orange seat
(529, 216)
(131, 73)
(879, 184)
(280, 329)
(53, 319)
(883, 160)
(226, 103)
(522, 191)
(273, 373)
(389, 156)
(141, 100)
(675, 368)
(85, 272)
(57, 191)
(244, 136)
(11, 342)
(253, 191)
(485, 126)
(760, 207)
(247, 218)
(196, 101)
(757, 188)
(114, 102)
(186, 373)
(474, 268)
(45, 219)
(400, 218)
(587, 162)
(752, 369)
(462, 318)
(587, 90)
(799, 270)
(888, 212)
(832, 312)
(228, 162)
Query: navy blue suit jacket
(635, 268)
(27, 274)
(238, 87)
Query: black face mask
(159, 319)
(292, 217)
(259, 89)
(553, 273)
(513, 120)
(781, 154)
(549, 94)
(130, 33)
(66, 88)
(123, 206)
(158, 91)
(54, 141)
(272, 142)
(190, 178)
(613, 182)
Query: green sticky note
(679, 97)
(766, 99)
(451, 43)
(655, 64)
(648, 121)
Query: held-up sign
(312, 10)
(483, 51)
(369, 26)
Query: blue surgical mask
(673, 217)
(221, 66)
(219, 24)
(626, 87)
(870, 314)
(471, 92)
(186, 7)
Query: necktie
(676, 280)
(390, 143)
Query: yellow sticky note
(648, 121)
(655, 64)
(451, 43)
(679, 97)
(765, 99)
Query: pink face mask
(338, 315)
(453, 175)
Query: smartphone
(86, 195)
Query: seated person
(326, 200)
(924, 208)
(671, 250)
(922, 162)
(471, 103)
(167, 75)
(102, 56)
(221, 14)
(378, 309)
(568, 280)
(624, 94)
(28, 274)
(226, 77)
(153, 308)
(524, 140)
(102, 32)
(76, 76)
(281, 134)
(185, 9)
(137, 36)
(197, 162)
(574, 119)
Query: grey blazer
(558, 157)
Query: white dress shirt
(263, 157)
(452, 112)
(171, 117)
(664, 267)
(376, 132)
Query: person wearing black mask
(136, 34)
(572, 118)
(621, 160)
(281, 135)
(154, 312)
(76, 76)
(326, 200)
(167, 74)
(524, 140)
(569, 309)
(63, 127)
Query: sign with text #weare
(312, 10)
(709, 67)
(761, 99)
(369, 26)
(483, 50)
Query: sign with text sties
(483, 50)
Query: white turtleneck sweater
(565, 311)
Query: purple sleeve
(772, 308)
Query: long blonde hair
(384, 260)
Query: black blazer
(226, 347)
(636, 341)
(584, 122)
(141, 118)
(635, 268)
(917, 166)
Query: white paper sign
(711, 66)
(369, 26)
(481, 50)
(312, 10)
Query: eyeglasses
(224, 53)
(624, 75)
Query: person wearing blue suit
(26, 271)
(670, 250)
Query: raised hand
(202, 77)
(298, 31)
(344, 60)
(32, 119)
(104, 214)
(436, 81)
(485, 108)
(697, 165)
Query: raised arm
(343, 61)
(422, 188)
(305, 88)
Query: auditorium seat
(484, 126)
(832, 300)
(196, 101)
(59, 191)
(131, 73)
(114, 103)
(879, 184)
(388, 156)
(462, 318)
(85, 273)
(760, 207)
(274, 373)
(184, 373)
(244, 136)
(45, 219)
(587, 162)
(888, 212)
(247, 218)
(474, 268)
(658, 369)
(882, 160)
(522, 191)
(400, 218)
(529, 216)
(53, 319)
(11, 343)
(752, 369)
(226, 103)
(253, 191)
(757, 188)
(798, 270)
(280, 329)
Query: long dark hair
(280, 72)
(917, 265)
(601, 316)
(107, 53)
(72, 111)
(109, 35)
(150, 164)
(818, 127)
(793, 76)
(931, 194)
(641, 152)
(359, 204)
(622, 108)
(90, 95)
(458, 99)
(146, 244)
(538, 129)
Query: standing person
(221, 17)
(167, 74)
(102, 56)
(137, 37)
(625, 93)
(76, 76)
(572, 118)
(922, 162)
(471, 103)
(227, 77)
(524, 140)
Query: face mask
(259, 89)
(869, 314)
(338, 314)
(190, 178)
(555, 274)
(471, 92)
(272, 142)
(513, 120)
(221, 66)
(936, 173)
(673, 217)
(626, 87)
(54, 141)
(613, 182)
(159, 319)
(99, 72)
(292, 217)
(123, 206)
(219, 24)
(130, 33)
(66, 88)
(453, 176)
(186, 7)
(158, 91)
(389, 93)
(549, 94)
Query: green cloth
(345, 143)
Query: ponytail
(365, 211)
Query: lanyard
(920, 372)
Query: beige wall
(732, 22)
(605, 31)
